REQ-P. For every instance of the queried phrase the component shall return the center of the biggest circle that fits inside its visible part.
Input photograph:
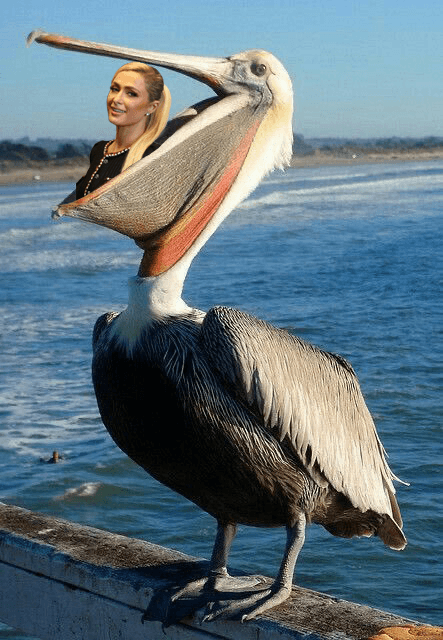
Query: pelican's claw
(192, 590)
(249, 606)
(226, 597)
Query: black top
(103, 167)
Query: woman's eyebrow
(126, 87)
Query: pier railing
(64, 581)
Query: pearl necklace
(105, 156)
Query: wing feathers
(308, 397)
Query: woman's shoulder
(98, 148)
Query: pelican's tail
(353, 522)
(391, 534)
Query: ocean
(347, 257)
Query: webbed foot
(248, 606)
(214, 595)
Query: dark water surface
(349, 258)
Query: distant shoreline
(73, 172)
(392, 156)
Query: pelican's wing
(307, 397)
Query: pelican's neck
(157, 297)
(151, 299)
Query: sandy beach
(43, 173)
(72, 172)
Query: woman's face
(128, 99)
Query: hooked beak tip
(33, 36)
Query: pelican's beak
(211, 71)
(166, 200)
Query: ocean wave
(37, 198)
(390, 189)
(78, 261)
(85, 490)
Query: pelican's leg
(199, 593)
(215, 590)
(218, 577)
(257, 603)
(281, 589)
(217, 565)
(218, 580)
(220, 552)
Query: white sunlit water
(346, 257)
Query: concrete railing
(64, 581)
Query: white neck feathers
(150, 300)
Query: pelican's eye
(258, 69)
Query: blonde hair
(156, 121)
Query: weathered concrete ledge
(60, 580)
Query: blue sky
(361, 68)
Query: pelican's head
(213, 154)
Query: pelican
(252, 424)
